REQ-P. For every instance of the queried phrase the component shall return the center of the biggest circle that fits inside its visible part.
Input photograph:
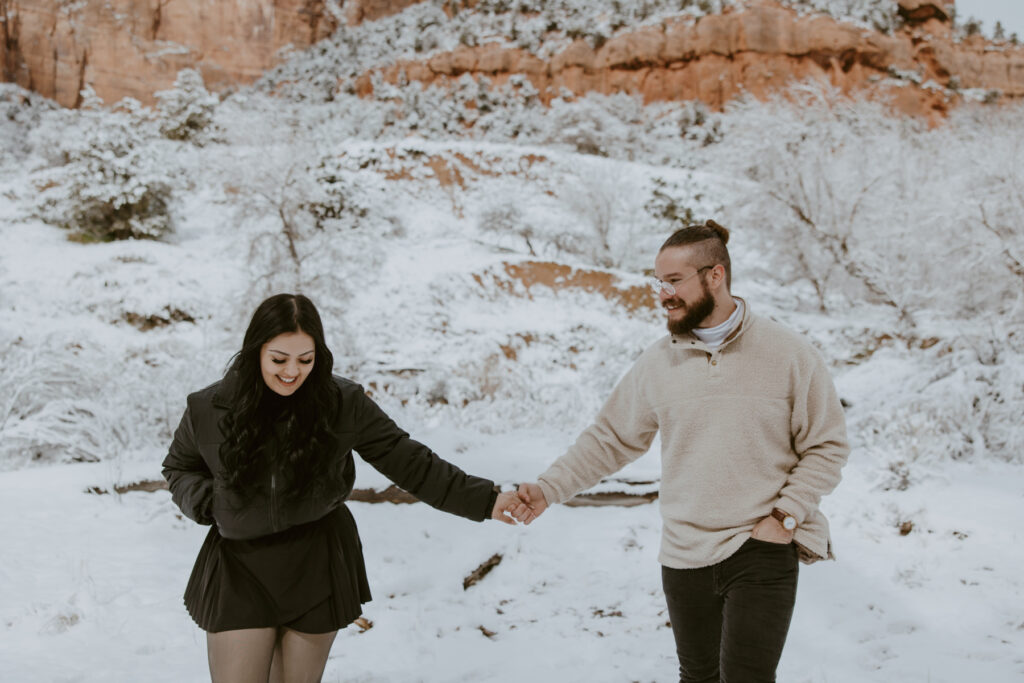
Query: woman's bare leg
(241, 656)
(300, 657)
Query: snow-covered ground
(92, 582)
(486, 284)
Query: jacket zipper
(273, 502)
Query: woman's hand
(507, 502)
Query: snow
(93, 584)
(921, 324)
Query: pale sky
(1009, 12)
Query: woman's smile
(286, 361)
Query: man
(753, 435)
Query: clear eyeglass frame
(657, 286)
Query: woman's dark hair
(300, 424)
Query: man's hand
(507, 502)
(532, 505)
(771, 530)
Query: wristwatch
(788, 520)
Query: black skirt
(310, 578)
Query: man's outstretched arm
(621, 433)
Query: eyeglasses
(671, 288)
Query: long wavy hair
(305, 418)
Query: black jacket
(194, 473)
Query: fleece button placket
(715, 363)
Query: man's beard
(695, 314)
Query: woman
(265, 457)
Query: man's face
(692, 302)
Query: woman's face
(286, 361)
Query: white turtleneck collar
(714, 336)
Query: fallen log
(393, 494)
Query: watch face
(789, 523)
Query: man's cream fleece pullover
(751, 425)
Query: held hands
(524, 505)
(507, 502)
(532, 503)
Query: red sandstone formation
(136, 47)
(758, 50)
(133, 48)
(368, 10)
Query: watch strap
(782, 516)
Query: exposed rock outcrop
(133, 48)
(922, 10)
(136, 47)
(759, 50)
(368, 10)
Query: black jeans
(730, 619)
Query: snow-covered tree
(108, 180)
(20, 112)
(185, 112)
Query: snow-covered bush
(993, 200)
(47, 413)
(878, 14)
(578, 207)
(858, 202)
(490, 354)
(616, 126)
(274, 198)
(609, 208)
(63, 403)
(591, 128)
(109, 180)
(20, 112)
(821, 170)
(185, 112)
(668, 206)
(952, 406)
(505, 219)
(338, 202)
(313, 220)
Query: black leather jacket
(194, 473)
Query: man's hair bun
(721, 231)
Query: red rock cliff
(133, 48)
(759, 49)
(136, 47)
